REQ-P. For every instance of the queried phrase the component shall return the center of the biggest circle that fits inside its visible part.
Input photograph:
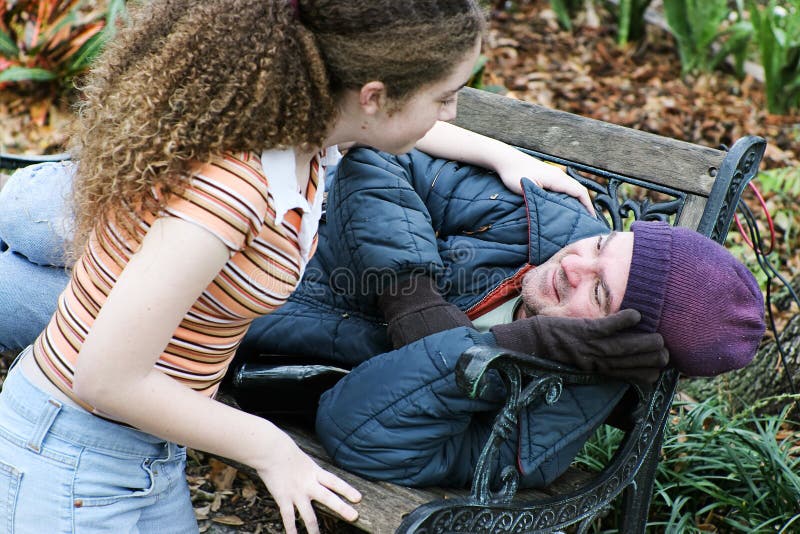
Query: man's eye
(599, 242)
(597, 290)
(447, 101)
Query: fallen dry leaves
(31, 126)
(639, 85)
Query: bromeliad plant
(777, 29)
(707, 32)
(45, 43)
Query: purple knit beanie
(702, 300)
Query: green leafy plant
(707, 32)
(565, 10)
(741, 471)
(777, 29)
(631, 20)
(720, 471)
(740, 33)
(46, 43)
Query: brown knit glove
(415, 309)
(597, 345)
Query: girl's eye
(599, 242)
(448, 101)
(597, 294)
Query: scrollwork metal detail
(518, 398)
(745, 169)
(611, 200)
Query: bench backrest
(705, 180)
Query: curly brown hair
(188, 79)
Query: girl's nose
(449, 111)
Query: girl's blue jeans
(34, 225)
(64, 470)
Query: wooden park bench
(631, 174)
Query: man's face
(585, 279)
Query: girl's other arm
(449, 141)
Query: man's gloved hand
(415, 309)
(596, 345)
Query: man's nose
(576, 268)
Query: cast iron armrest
(527, 378)
(281, 385)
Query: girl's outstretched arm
(449, 141)
(116, 373)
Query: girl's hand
(520, 165)
(294, 480)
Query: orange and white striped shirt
(231, 197)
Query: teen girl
(200, 141)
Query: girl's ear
(372, 97)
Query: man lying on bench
(429, 257)
(410, 242)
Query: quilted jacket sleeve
(382, 226)
(417, 428)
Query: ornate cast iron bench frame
(698, 187)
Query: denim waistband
(76, 425)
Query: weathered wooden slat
(572, 480)
(592, 142)
(692, 211)
(384, 505)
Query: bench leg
(636, 497)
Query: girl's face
(398, 130)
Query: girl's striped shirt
(230, 197)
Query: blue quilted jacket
(398, 415)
